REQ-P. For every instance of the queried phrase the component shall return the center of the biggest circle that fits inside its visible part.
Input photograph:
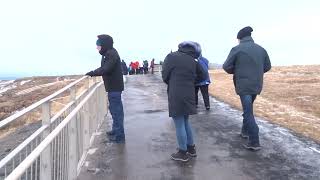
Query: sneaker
(110, 133)
(180, 156)
(118, 140)
(208, 108)
(191, 151)
(252, 147)
(244, 136)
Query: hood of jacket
(106, 43)
(191, 48)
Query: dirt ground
(290, 97)
(27, 91)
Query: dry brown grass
(290, 98)
(10, 102)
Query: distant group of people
(137, 67)
(186, 72)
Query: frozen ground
(150, 139)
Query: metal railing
(58, 148)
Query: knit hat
(99, 42)
(246, 31)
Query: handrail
(26, 163)
(21, 146)
(37, 104)
(55, 117)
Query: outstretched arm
(111, 60)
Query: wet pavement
(150, 139)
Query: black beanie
(246, 31)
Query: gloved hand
(89, 73)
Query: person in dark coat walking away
(111, 73)
(124, 67)
(137, 67)
(203, 85)
(145, 66)
(248, 62)
(180, 71)
(152, 66)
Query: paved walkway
(150, 136)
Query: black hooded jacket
(110, 69)
(180, 71)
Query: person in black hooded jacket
(181, 71)
(111, 72)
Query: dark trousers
(116, 110)
(145, 70)
(249, 125)
(205, 94)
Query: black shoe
(118, 140)
(180, 156)
(208, 108)
(252, 147)
(191, 151)
(110, 133)
(244, 136)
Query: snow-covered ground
(29, 90)
(6, 85)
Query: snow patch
(86, 164)
(92, 151)
(23, 82)
(6, 85)
(3, 83)
(67, 80)
(26, 91)
(97, 133)
(314, 149)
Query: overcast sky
(40, 37)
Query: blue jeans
(116, 110)
(249, 125)
(183, 131)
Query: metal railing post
(45, 168)
(91, 83)
(86, 131)
(72, 158)
(72, 135)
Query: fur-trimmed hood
(190, 47)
